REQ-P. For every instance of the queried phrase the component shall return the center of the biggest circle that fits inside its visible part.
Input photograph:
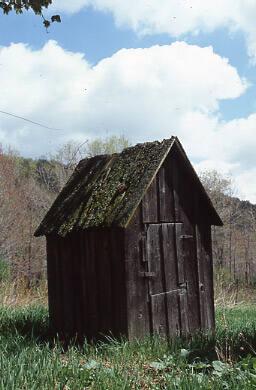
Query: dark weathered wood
(169, 255)
(138, 308)
(150, 204)
(174, 169)
(93, 305)
(208, 276)
(154, 254)
(119, 293)
(52, 274)
(155, 275)
(180, 254)
(171, 278)
(173, 311)
(159, 320)
(181, 280)
(186, 250)
(192, 282)
(102, 257)
(166, 202)
(73, 266)
(210, 299)
(67, 285)
(201, 278)
(156, 283)
(84, 284)
(58, 286)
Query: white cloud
(176, 17)
(144, 94)
(245, 182)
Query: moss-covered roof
(105, 190)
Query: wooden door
(168, 252)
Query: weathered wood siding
(168, 257)
(138, 315)
(86, 283)
(155, 276)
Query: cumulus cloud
(176, 17)
(144, 94)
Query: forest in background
(29, 186)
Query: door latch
(183, 286)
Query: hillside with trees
(29, 186)
(27, 189)
(234, 244)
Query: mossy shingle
(105, 190)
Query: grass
(31, 359)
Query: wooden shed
(129, 246)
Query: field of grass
(30, 359)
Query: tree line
(234, 244)
(27, 189)
(29, 186)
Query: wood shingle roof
(105, 190)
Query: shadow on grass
(32, 324)
(229, 344)
(29, 322)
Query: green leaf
(158, 365)
(46, 23)
(56, 18)
(184, 353)
(219, 366)
(91, 365)
(253, 360)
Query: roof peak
(105, 190)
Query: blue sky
(188, 69)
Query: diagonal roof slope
(105, 190)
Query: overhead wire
(30, 121)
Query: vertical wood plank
(201, 279)
(75, 263)
(119, 294)
(208, 275)
(174, 169)
(154, 253)
(166, 203)
(52, 284)
(92, 286)
(192, 282)
(186, 244)
(67, 285)
(84, 284)
(157, 287)
(169, 255)
(180, 253)
(138, 308)
(58, 287)
(171, 278)
(104, 280)
(172, 301)
(150, 204)
(159, 320)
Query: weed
(29, 358)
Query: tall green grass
(31, 359)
